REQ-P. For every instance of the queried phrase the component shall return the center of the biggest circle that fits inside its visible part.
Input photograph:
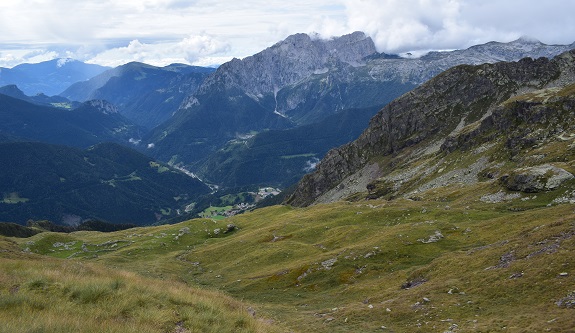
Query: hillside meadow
(446, 262)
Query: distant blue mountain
(145, 94)
(48, 77)
(90, 123)
(40, 99)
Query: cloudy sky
(209, 32)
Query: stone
(230, 228)
(433, 238)
(567, 302)
(328, 264)
(413, 283)
(540, 178)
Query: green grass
(340, 267)
(160, 168)
(39, 294)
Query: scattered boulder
(328, 264)
(433, 238)
(540, 178)
(413, 283)
(499, 197)
(567, 302)
(230, 228)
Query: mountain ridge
(145, 94)
(87, 124)
(48, 77)
(320, 81)
(436, 111)
(12, 90)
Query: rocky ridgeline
(419, 70)
(304, 80)
(350, 58)
(433, 118)
(288, 62)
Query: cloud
(199, 31)
(409, 25)
(195, 49)
(11, 58)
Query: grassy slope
(40, 294)
(364, 266)
(281, 261)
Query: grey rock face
(536, 179)
(289, 61)
(351, 58)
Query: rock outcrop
(536, 179)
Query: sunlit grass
(50, 295)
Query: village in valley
(223, 212)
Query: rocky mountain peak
(289, 61)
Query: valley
(349, 191)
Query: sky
(211, 32)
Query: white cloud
(199, 31)
(407, 25)
(197, 47)
(11, 58)
(196, 50)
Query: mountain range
(297, 82)
(12, 90)
(48, 77)
(145, 94)
(265, 120)
(453, 211)
(89, 123)
(505, 113)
